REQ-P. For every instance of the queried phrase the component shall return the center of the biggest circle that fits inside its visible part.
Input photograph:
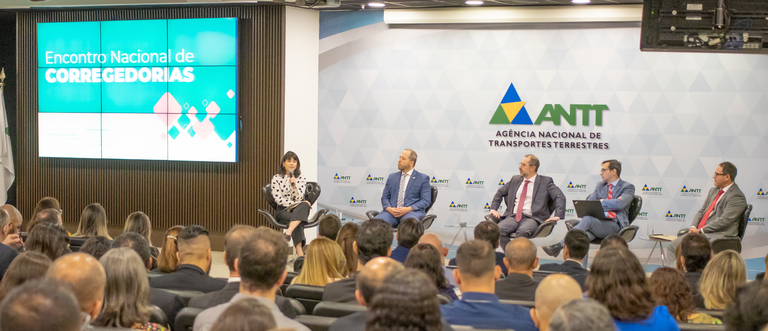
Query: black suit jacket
(224, 295)
(571, 268)
(544, 192)
(517, 287)
(7, 255)
(356, 322)
(341, 290)
(168, 302)
(188, 278)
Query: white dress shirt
(528, 200)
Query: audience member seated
(576, 248)
(668, 286)
(27, 266)
(41, 304)
(126, 296)
(479, 307)
(49, 216)
(13, 239)
(346, 240)
(426, 258)
(582, 315)
(233, 242)
(553, 292)
(374, 239)
(168, 302)
(435, 241)
(194, 264)
(408, 233)
(489, 232)
(324, 262)
(368, 280)
(749, 309)
(138, 222)
(46, 203)
(695, 253)
(328, 227)
(521, 260)
(613, 240)
(168, 260)
(7, 253)
(245, 315)
(85, 276)
(93, 222)
(49, 239)
(720, 279)
(617, 280)
(96, 246)
(406, 300)
(261, 266)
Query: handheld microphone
(292, 183)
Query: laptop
(590, 208)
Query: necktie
(709, 210)
(521, 201)
(610, 196)
(401, 193)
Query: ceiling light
(376, 4)
(580, 1)
(474, 2)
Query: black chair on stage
(628, 233)
(308, 295)
(336, 309)
(426, 221)
(185, 295)
(544, 229)
(315, 323)
(185, 319)
(311, 195)
(729, 242)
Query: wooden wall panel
(215, 195)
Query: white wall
(302, 37)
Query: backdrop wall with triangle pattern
(453, 95)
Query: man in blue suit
(407, 192)
(615, 195)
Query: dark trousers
(509, 226)
(300, 213)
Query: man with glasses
(615, 195)
(721, 212)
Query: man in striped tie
(407, 192)
(615, 195)
(721, 212)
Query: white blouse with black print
(284, 194)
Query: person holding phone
(288, 188)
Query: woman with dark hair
(138, 222)
(288, 188)
(96, 246)
(617, 280)
(345, 239)
(46, 203)
(168, 262)
(406, 300)
(49, 239)
(126, 294)
(245, 315)
(27, 266)
(426, 258)
(93, 222)
(669, 288)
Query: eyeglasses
(716, 174)
(602, 170)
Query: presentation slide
(145, 90)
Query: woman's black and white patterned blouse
(284, 194)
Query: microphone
(292, 183)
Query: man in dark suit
(615, 195)
(576, 248)
(233, 242)
(489, 232)
(168, 302)
(721, 212)
(7, 253)
(407, 193)
(520, 260)
(528, 198)
(194, 264)
(374, 239)
(409, 232)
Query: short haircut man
(85, 276)
(15, 217)
(613, 240)
(475, 259)
(520, 258)
(262, 258)
(374, 239)
(372, 276)
(234, 241)
(488, 231)
(696, 251)
(729, 169)
(553, 292)
(412, 156)
(96, 246)
(193, 242)
(137, 242)
(521, 255)
(582, 315)
(329, 227)
(614, 165)
(194, 264)
(533, 161)
(577, 243)
(40, 305)
(408, 232)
